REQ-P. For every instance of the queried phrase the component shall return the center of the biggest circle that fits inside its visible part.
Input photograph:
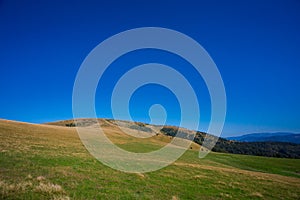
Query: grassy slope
(50, 162)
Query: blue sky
(255, 44)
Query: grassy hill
(50, 162)
(222, 145)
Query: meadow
(50, 162)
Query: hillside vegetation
(50, 162)
(268, 148)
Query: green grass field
(50, 162)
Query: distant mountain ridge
(268, 137)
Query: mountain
(268, 137)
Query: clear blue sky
(255, 44)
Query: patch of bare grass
(175, 198)
(53, 191)
(49, 188)
(7, 188)
(257, 195)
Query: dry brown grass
(257, 194)
(175, 198)
(141, 175)
(40, 178)
(49, 188)
(54, 190)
